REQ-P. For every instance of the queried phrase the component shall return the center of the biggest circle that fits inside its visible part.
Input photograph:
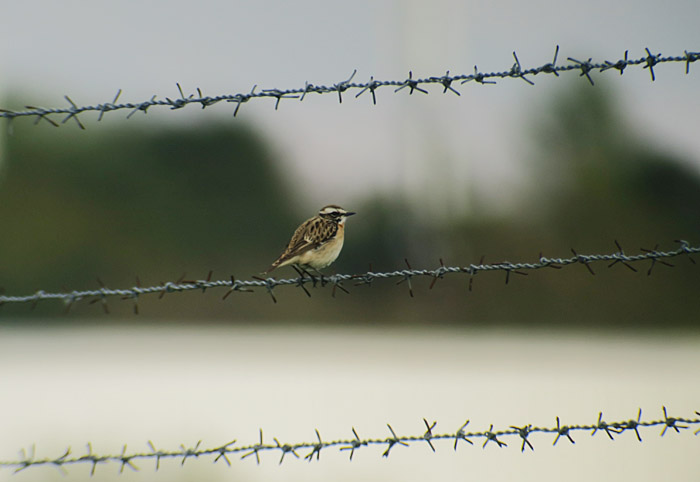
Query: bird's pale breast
(324, 255)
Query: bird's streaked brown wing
(310, 235)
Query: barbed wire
(336, 280)
(446, 82)
(521, 433)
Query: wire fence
(447, 82)
(496, 438)
(269, 284)
(520, 436)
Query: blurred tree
(598, 180)
(119, 202)
(593, 181)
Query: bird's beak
(349, 214)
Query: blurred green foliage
(119, 202)
(157, 202)
(593, 181)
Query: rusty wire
(521, 434)
(269, 284)
(446, 82)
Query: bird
(317, 242)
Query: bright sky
(440, 145)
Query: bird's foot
(304, 273)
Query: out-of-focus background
(503, 171)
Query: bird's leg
(301, 280)
(302, 272)
(323, 281)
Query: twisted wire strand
(336, 280)
(447, 81)
(493, 437)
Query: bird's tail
(273, 266)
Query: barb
(513, 432)
(232, 285)
(444, 82)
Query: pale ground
(115, 385)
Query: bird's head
(335, 213)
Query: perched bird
(317, 242)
